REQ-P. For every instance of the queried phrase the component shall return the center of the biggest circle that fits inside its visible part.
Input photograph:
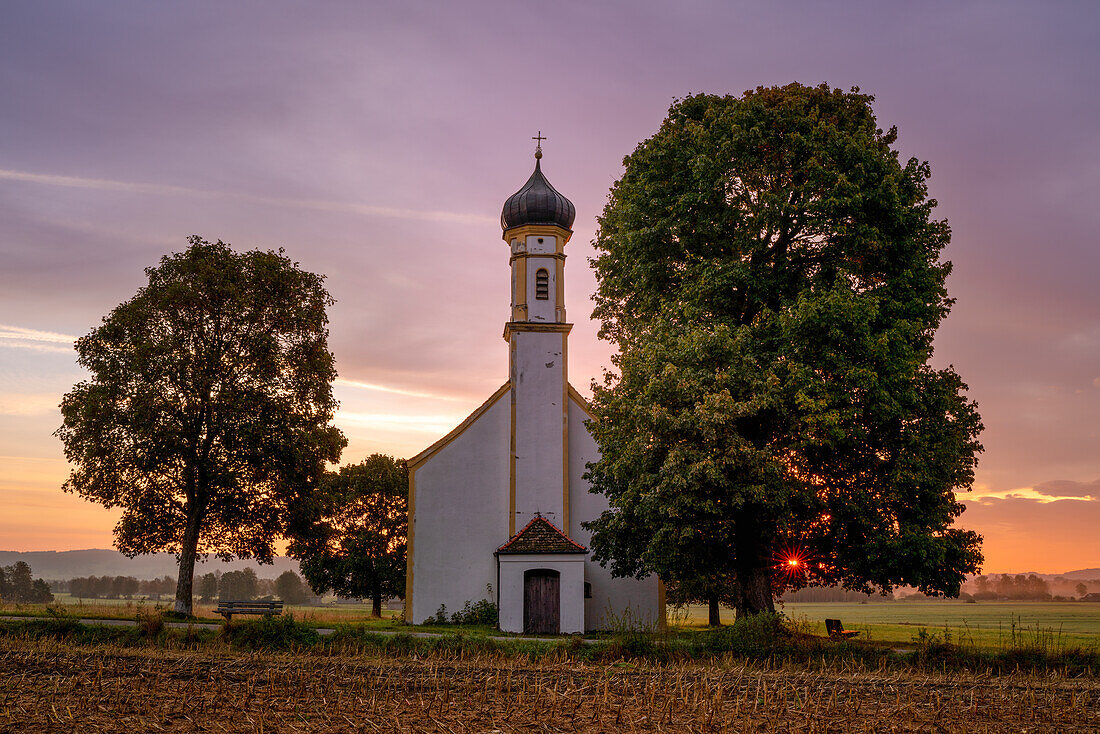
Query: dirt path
(54, 687)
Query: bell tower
(536, 223)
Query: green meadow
(990, 625)
(985, 624)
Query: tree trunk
(714, 617)
(376, 604)
(188, 548)
(753, 590)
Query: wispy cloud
(18, 337)
(395, 390)
(103, 184)
(438, 424)
(51, 341)
(1039, 493)
(24, 404)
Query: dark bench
(836, 630)
(267, 608)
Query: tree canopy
(18, 585)
(289, 588)
(771, 275)
(355, 545)
(207, 415)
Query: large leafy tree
(771, 275)
(207, 416)
(355, 544)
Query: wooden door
(541, 602)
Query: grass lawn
(319, 616)
(986, 624)
(328, 615)
(991, 625)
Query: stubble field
(50, 686)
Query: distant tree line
(18, 585)
(233, 585)
(832, 594)
(117, 587)
(1005, 586)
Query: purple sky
(377, 146)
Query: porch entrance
(541, 602)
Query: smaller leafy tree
(355, 543)
(40, 592)
(1081, 589)
(208, 586)
(21, 580)
(289, 588)
(238, 585)
(18, 584)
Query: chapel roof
(541, 536)
(537, 203)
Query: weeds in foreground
(150, 622)
(767, 639)
(270, 632)
(1023, 647)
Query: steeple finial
(538, 145)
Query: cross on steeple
(538, 144)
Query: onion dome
(537, 203)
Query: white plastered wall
(537, 382)
(570, 566)
(542, 311)
(461, 515)
(614, 600)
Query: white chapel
(496, 505)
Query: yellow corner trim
(544, 326)
(558, 256)
(427, 453)
(565, 433)
(409, 547)
(525, 230)
(662, 622)
(579, 400)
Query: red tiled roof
(541, 536)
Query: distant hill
(1085, 573)
(52, 565)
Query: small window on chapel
(542, 285)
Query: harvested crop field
(48, 686)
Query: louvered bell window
(542, 285)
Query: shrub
(482, 613)
(270, 633)
(440, 616)
(754, 635)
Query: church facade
(496, 505)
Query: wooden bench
(267, 608)
(836, 630)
